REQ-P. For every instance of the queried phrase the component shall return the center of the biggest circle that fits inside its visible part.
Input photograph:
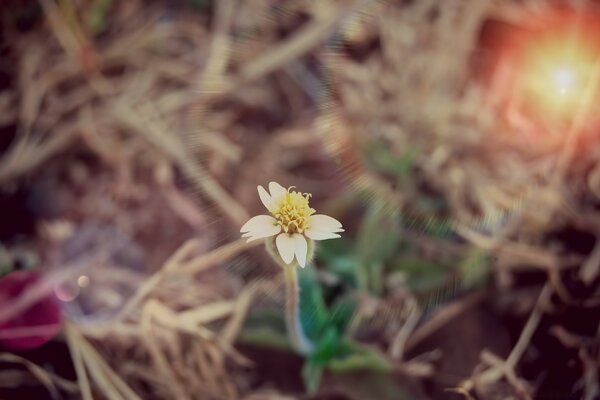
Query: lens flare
(546, 74)
(564, 78)
(555, 78)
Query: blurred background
(457, 142)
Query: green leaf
(311, 374)
(422, 275)
(379, 234)
(344, 267)
(380, 158)
(96, 16)
(323, 353)
(473, 269)
(201, 4)
(329, 249)
(341, 314)
(341, 355)
(378, 240)
(266, 317)
(339, 257)
(361, 384)
(5, 269)
(354, 356)
(327, 348)
(426, 219)
(265, 337)
(313, 312)
(265, 328)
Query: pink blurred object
(34, 326)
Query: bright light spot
(83, 281)
(547, 75)
(555, 79)
(564, 79)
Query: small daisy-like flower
(293, 222)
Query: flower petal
(324, 223)
(300, 248)
(259, 227)
(320, 235)
(266, 198)
(277, 191)
(286, 246)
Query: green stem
(292, 301)
(292, 310)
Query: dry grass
(228, 103)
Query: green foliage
(360, 262)
(326, 327)
(315, 316)
(265, 337)
(311, 374)
(201, 4)
(356, 357)
(313, 312)
(266, 329)
(341, 313)
(341, 355)
(380, 158)
(377, 252)
(96, 18)
(472, 269)
(339, 257)
(5, 262)
(5, 268)
(377, 241)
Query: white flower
(292, 220)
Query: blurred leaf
(339, 257)
(201, 4)
(311, 374)
(341, 355)
(265, 328)
(265, 337)
(326, 348)
(344, 267)
(379, 234)
(313, 312)
(341, 314)
(379, 157)
(425, 218)
(262, 317)
(422, 275)
(328, 250)
(325, 327)
(97, 15)
(377, 241)
(473, 269)
(364, 384)
(359, 357)
(5, 261)
(322, 355)
(5, 269)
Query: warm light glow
(555, 78)
(547, 74)
(83, 281)
(564, 79)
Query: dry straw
(174, 95)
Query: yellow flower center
(292, 212)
